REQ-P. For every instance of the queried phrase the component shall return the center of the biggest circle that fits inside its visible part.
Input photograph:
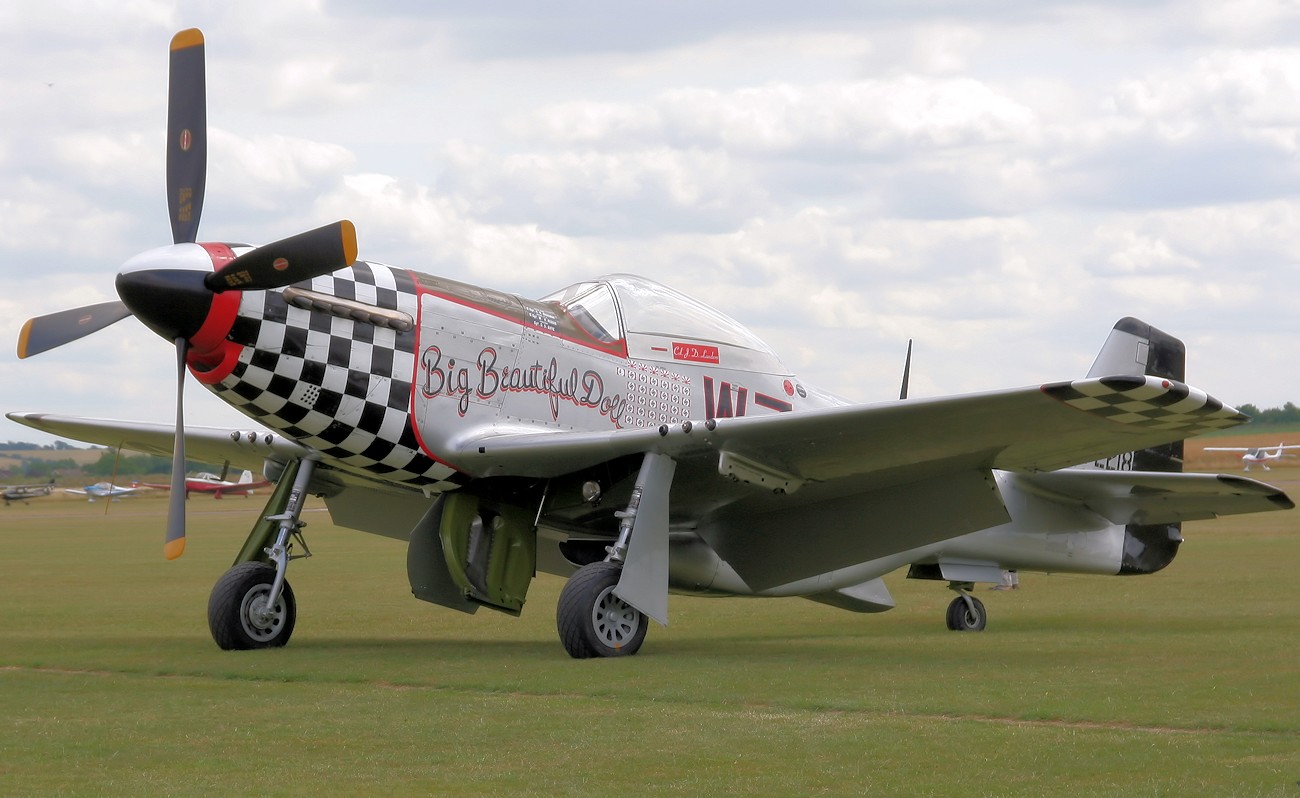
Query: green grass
(1181, 683)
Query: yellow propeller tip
(23, 337)
(190, 37)
(349, 241)
(174, 548)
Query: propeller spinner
(170, 289)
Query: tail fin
(1135, 348)
(907, 370)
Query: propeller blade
(187, 135)
(174, 543)
(56, 329)
(289, 260)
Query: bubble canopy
(625, 304)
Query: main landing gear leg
(603, 608)
(252, 605)
(966, 613)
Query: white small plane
(620, 434)
(105, 490)
(1257, 456)
(207, 482)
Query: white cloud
(999, 187)
(846, 118)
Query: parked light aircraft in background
(1257, 456)
(21, 493)
(620, 434)
(204, 482)
(105, 490)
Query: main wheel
(238, 615)
(963, 617)
(592, 621)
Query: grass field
(1182, 683)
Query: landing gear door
(490, 552)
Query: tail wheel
(592, 621)
(967, 614)
(238, 613)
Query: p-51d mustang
(620, 434)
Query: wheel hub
(260, 620)
(615, 620)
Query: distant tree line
(1286, 414)
(108, 466)
(23, 446)
(109, 463)
(47, 469)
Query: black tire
(592, 621)
(239, 591)
(963, 617)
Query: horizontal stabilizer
(1142, 497)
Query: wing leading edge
(244, 449)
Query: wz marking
(732, 401)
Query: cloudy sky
(1000, 181)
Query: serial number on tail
(1120, 462)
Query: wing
(355, 501)
(1025, 430)
(868, 481)
(1227, 449)
(208, 444)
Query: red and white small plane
(1257, 456)
(205, 482)
(620, 434)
